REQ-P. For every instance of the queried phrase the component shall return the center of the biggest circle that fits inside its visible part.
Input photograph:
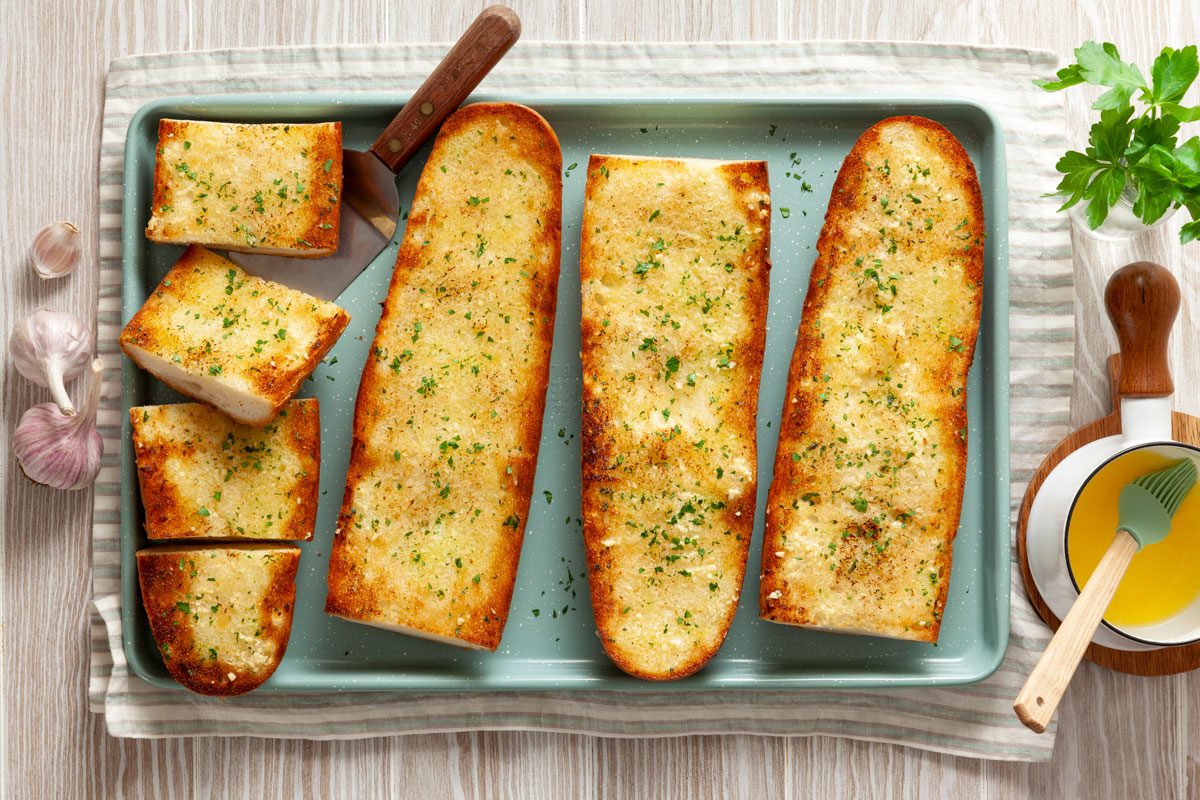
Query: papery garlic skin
(50, 456)
(56, 250)
(51, 348)
(59, 450)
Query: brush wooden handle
(490, 36)
(1039, 698)
(1142, 299)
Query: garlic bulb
(56, 250)
(50, 348)
(59, 450)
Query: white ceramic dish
(1145, 423)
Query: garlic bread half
(221, 615)
(271, 188)
(868, 485)
(237, 342)
(449, 411)
(674, 269)
(204, 475)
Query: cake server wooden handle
(1039, 698)
(490, 36)
(1142, 299)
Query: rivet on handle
(479, 48)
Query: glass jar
(1121, 223)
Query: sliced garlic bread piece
(449, 412)
(220, 335)
(221, 615)
(270, 189)
(674, 267)
(204, 475)
(868, 485)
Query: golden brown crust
(911, 176)
(169, 577)
(693, 467)
(203, 475)
(244, 334)
(273, 188)
(444, 307)
(324, 226)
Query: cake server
(370, 209)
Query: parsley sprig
(1141, 152)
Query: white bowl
(1146, 422)
(1182, 628)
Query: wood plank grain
(519, 765)
(1187, 734)
(680, 20)
(55, 59)
(444, 21)
(692, 768)
(226, 23)
(1121, 736)
(1116, 739)
(913, 20)
(234, 23)
(844, 768)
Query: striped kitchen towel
(971, 720)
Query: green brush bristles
(1169, 486)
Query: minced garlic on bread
(223, 336)
(449, 411)
(271, 189)
(868, 485)
(221, 615)
(674, 270)
(204, 475)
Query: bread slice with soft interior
(674, 270)
(227, 338)
(273, 188)
(868, 485)
(205, 475)
(221, 614)
(449, 411)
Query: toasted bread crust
(668, 435)
(867, 493)
(176, 592)
(203, 475)
(269, 188)
(449, 412)
(257, 338)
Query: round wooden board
(1164, 661)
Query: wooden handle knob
(1142, 300)
(1040, 695)
(490, 36)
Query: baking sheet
(550, 642)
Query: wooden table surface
(1119, 736)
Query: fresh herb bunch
(1141, 152)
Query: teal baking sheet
(550, 642)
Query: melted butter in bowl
(1163, 580)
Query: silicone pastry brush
(1144, 512)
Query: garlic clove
(51, 348)
(56, 250)
(59, 450)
